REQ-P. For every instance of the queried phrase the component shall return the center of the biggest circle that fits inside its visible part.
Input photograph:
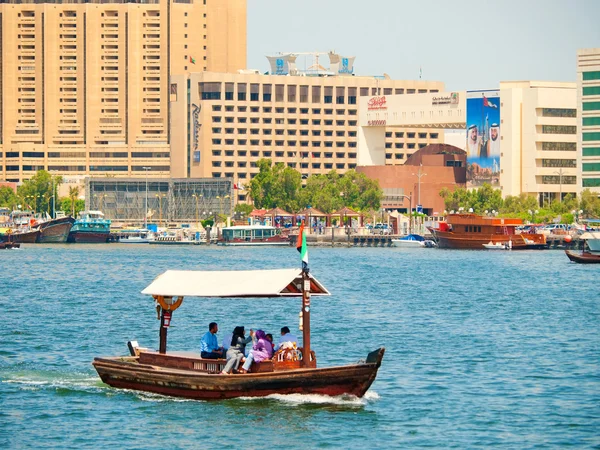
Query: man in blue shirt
(209, 346)
(286, 336)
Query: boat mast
(306, 361)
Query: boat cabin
(249, 232)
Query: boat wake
(60, 382)
(316, 399)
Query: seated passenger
(270, 339)
(235, 354)
(286, 336)
(209, 347)
(261, 350)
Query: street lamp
(409, 197)
(160, 197)
(146, 169)
(533, 214)
(560, 175)
(419, 175)
(197, 197)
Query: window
(559, 163)
(591, 106)
(591, 90)
(591, 136)
(254, 92)
(242, 91)
(267, 88)
(591, 182)
(328, 94)
(559, 146)
(558, 112)
(590, 121)
(587, 76)
(559, 129)
(556, 179)
(316, 95)
(591, 151)
(228, 91)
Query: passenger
(261, 351)
(209, 346)
(235, 354)
(270, 339)
(286, 336)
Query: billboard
(483, 138)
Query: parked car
(382, 228)
(555, 228)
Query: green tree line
(277, 185)
(36, 194)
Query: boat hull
(127, 373)
(448, 239)
(88, 237)
(583, 257)
(28, 237)
(55, 231)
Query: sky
(464, 43)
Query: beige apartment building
(85, 85)
(539, 139)
(223, 123)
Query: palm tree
(73, 194)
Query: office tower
(588, 117)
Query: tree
(8, 197)
(73, 194)
(243, 208)
(275, 186)
(38, 191)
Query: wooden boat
(55, 230)
(8, 245)
(253, 235)
(584, 257)
(190, 376)
(471, 231)
(24, 236)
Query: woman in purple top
(261, 350)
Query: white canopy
(234, 283)
(590, 235)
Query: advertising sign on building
(483, 138)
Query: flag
(301, 246)
(235, 186)
(192, 60)
(238, 187)
(487, 103)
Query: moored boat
(472, 231)
(592, 238)
(89, 228)
(290, 371)
(497, 246)
(253, 235)
(55, 230)
(411, 240)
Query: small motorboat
(411, 240)
(497, 246)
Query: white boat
(497, 246)
(412, 240)
(135, 236)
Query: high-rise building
(223, 123)
(588, 117)
(85, 84)
(538, 139)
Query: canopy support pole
(306, 362)
(163, 333)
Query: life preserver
(168, 307)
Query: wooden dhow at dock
(472, 231)
(190, 376)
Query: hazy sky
(466, 44)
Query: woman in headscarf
(235, 353)
(261, 351)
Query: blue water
(483, 349)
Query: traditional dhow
(90, 227)
(190, 376)
(55, 230)
(591, 250)
(471, 231)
